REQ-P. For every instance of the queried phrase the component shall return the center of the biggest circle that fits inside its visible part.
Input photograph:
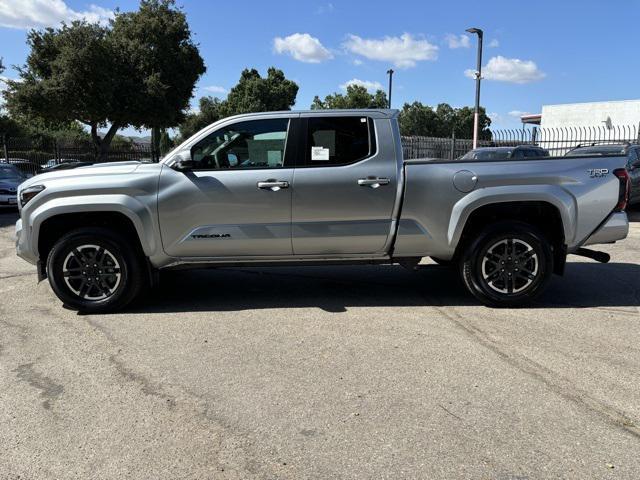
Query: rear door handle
(373, 182)
(273, 185)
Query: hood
(99, 169)
(9, 184)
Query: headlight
(29, 192)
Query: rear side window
(335, 141)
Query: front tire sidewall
(472, 265)
(55, 264)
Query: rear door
(345, 185)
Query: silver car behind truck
(309, 188)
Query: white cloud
(369, 85)
(517, 113)
(402, 52)
(322, 9)
(216, 89)
(512, 70)
(494, 43)
(357, 62)
(302, 47)
(458, 41)
(25, 14)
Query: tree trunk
(101, 145)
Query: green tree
(357, 96)
(138, 71)
(209, 111)
(166, 142)
(423, 120)
(252, 93)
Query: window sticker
(319, 154)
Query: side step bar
(593, 255)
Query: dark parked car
(505, 153)
(10, 178)
(29, 169)
(631, 151)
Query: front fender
(142, 217)
(552, 194)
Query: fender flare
(554, 195)
(142, 218)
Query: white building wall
(619, 113)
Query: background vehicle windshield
(8, 172)
(488, 154)
(597, 150)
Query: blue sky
(536, 53)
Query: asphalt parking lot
(352, 372)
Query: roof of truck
(370, 112)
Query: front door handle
(273, 185)
(373, 182)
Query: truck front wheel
(95, 270)
(507, 265)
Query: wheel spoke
(526, 275)
(79, 256)
(493, 258)
(526, 255)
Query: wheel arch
(543, 215)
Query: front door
(237, 199)
(345, 185)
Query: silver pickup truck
(310, 188)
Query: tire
(118, 268)
(525, 273)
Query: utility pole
(476, 116)
(390, 73)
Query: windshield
(488, 154)
(7, 172)
(598, 150)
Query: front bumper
(22, 244)
(11, 200)
(616, 227)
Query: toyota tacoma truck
(316, 188)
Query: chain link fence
(558, 141)
(35, 155)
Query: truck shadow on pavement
(335, 289)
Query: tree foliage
(423, 120)
(138, 71)
(356, 96)
(252, 93)
(209, 111)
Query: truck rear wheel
(507, 265)
(95, 270)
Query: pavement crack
(552, 380)
(147, 386)
(49, 390)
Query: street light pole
(476, 115)
(390, 72)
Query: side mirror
(183, 163)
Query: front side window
(335, 141)
(251, 144)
